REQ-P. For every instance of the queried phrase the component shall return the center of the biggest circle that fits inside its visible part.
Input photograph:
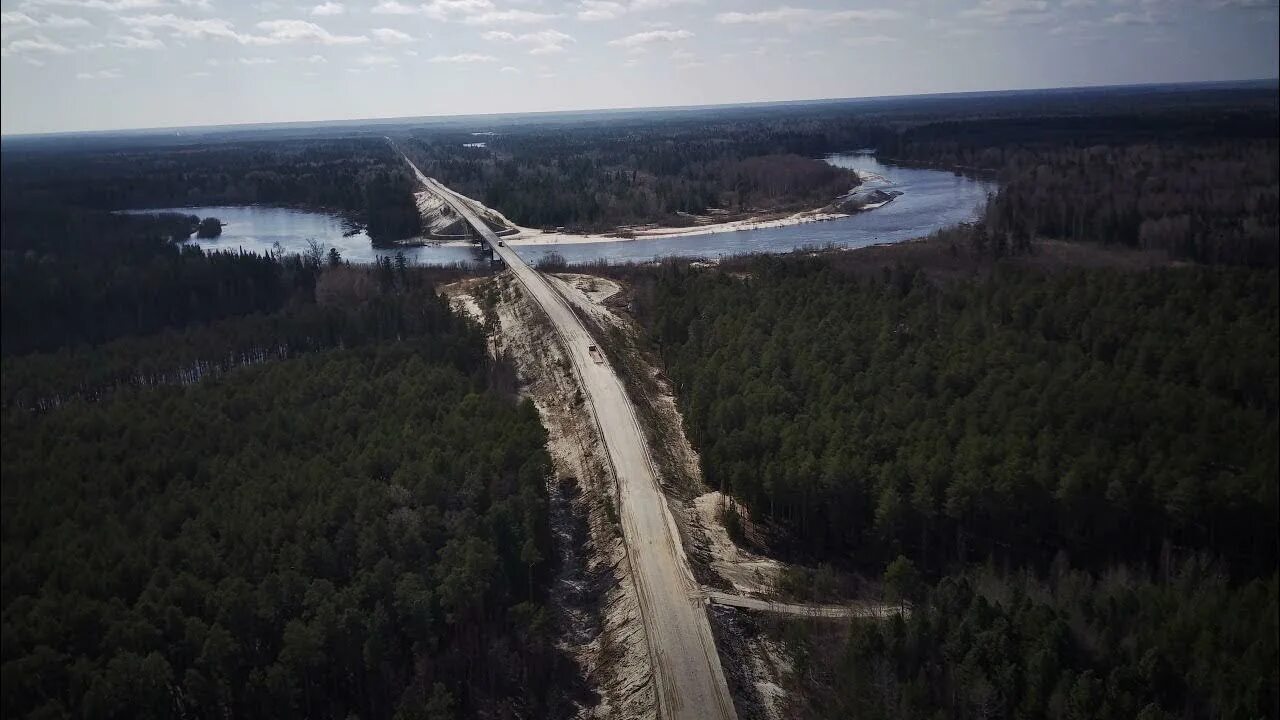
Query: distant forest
(246, 486)
(596, 179)
(1192, 171)
(362, 178)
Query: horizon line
(283, 124)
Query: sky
(112, 64)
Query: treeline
(362, 178)
(355, 310)
(145, 284)
(1211, 203)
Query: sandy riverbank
(534, 236)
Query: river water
(930, 200)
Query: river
(930, 200)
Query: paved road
(687, 675)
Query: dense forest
(239, 486)
(1071, 430)
(362, 178)
(1191, 170)
(599, 179)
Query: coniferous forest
(284, 486)
(245, 486)
(1070, 475)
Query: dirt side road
(689, 680)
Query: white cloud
(1001, 10)
(257, 61)
(290, 31)
(464, 58)
(765, 17)
(136, 42)
(1146, 17)
(186, 28)
(872, 15)
(590, 10)
(510, 70)
(392, 7)
(198, 4)
(870, 40)
(35, 44)
(328, 9)
(314, 59)
(542, 42)
(496, 17)
(378, 59)
(58, 21)
(650, 37)
(436, 9)
(107, 5)
(796, 17)
(108, 74)
(16, 20)
(389, 36)
(275, 32)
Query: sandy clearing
(613, 654)
(747, 572)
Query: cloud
(442, 10)
(642, 39)
(274, 32)
(328, 9)
(377, 59)
(591, 10)
(872, 15)
(108, 74)
(509, 70)
(870, 40)
(58, 21)
(106, 5)
(497, 17)
(315, 59)
(464, 58)
(1001, 10)
(186, 28)
(1146, 17)
(782, 14)
(542, 42)
(136, 42)
(257, 61)
(200, 74)
(388, 36)
(291, 31)
(35, 44)
(796, 17)
(16, 20)
(392, 7)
